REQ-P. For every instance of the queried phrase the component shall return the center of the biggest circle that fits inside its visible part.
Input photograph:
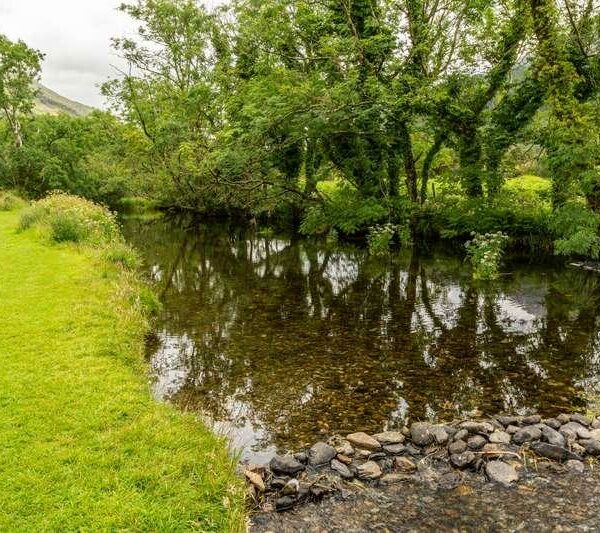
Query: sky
(75, 36)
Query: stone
(550, 451)
(369, 470)
(581, 419)
(508, 420)
(596, 423)
(284, 503)
(552, 436)
(341, 469)
(405, 464)
(462, 460)
(344, 459)
(364, 441)
(345, 448)
(285, 464)
(531, 420)
(575, 427)
(552, 423)
(377, 456)
(421, 433)
(256, 480)
(527, 434)
(390, 479)
(595, 433)
(501, 472)
(592, 446)
(277, 483)
(578, 449)
(494, 451)
(363, 454)
(563, 418)
(320, 454)
(301, 457)
(461, 434)
(477, 427)
(412, 449)
(575, 466)
(394, 449)
(476, 442)
(450, 480)
(457, 447)
(500, 437)
(511, 430)
(440, 435)
(389, 437)
(291, 487)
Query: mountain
(53, 103)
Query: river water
(280, 341)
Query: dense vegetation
(396, 119)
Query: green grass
(83, 444)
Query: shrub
(380, 238)
(10, 201)
(123, 255)
(485, 253)
(73, 219)
(575, 227)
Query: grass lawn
(83, 446)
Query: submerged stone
(501, 472)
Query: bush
(10, 201)
(72, 219)
(575, 227)
(485, 253)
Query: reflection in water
(282, 340)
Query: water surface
(282, 341)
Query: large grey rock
(364, 441)
(500, 472)
(575, 427)
(592, 446)
(405, 464)
(369, 470)
(550, 451)
(341, 469)
(389, 437)
(500, 437)
(394, 449)
(552, 436)
(531, 420)
(421, 433)
(595, 433)
(476, 442)
(527, 434)
(508, 420)
(320, 454)
(285, 464)
(575, 466)
(461, 434)
(553, 423)
(581, 419)
(440, 435)
(462, 460)
(457, 447)
(477, 427)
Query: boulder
(394, 449)
(575, 466)
(500, 437)
(421, 433)
(581, 419)
(389, 437)
(531, 420)
(440, 435)
(552, 436)
(527, 434)
(476, 442)
(508, 420)
(285, 464)
(501, 472)
(364, 441)
(320, 454)
(550, 451)
(457, 447)
(369, 470)
(575, 427)
(462, 460)
(341, 469)
(552, 423)
(592, 446)
(477, 427)
(256, 480)
(405, 464)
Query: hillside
(50, 102)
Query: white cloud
(75, 36)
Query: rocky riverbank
(501, 450)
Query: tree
(19, 71)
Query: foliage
(19, 70)
(86, 447)
(576, 230)
(69, 218)
(10, 201)
(485, 253)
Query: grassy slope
(82, 443)
(53, 103)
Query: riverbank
(84, 445)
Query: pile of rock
(497, 449)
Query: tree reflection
(293, 339)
